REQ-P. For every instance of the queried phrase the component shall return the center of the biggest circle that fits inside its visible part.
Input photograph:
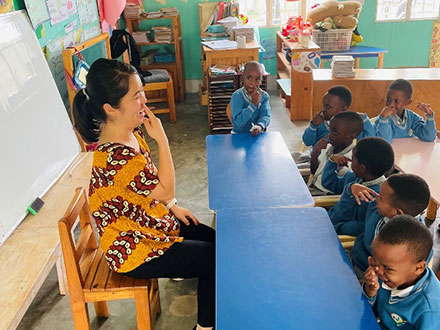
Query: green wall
(408, 43)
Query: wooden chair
(159, 82)
(90, 279)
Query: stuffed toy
(334, 8)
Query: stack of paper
(154, 14)
(171, 11)
(131, 11)
(220, 44)
(222, 70)
(228, 23)
(163, 34)
(242, 30)
(342, 66)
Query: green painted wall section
(408, 43)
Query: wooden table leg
(357, 60)
(380, 60)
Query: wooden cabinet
(231, 57)
(176, 69)
(297, 93)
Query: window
(405, 10)
(276, 12)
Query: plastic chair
(90, 279)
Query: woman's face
(133, 103)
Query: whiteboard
(36, 136)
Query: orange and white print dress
(133, 227)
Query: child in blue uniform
(403, 291)
(336, 100)
(371, 159)
(344, 127)
(250, 108)
(396, 121)
(399, 194)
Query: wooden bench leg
(80, 315)
(171, 101)
(101, 308)
(61, 273)
(142, 309)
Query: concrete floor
(50, 311)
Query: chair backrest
(78, 255)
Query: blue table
(357, 52)
(246, 171)
(284, 268)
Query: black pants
(194, 257)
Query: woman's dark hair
(107, 82)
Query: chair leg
(142, 309)
(101, 308)
(61, 274)
(80, 315)
(171, 102)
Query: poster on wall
(6, 5)
(37, 12)
(434, 56)
(60, 10)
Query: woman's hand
(153, 126)
(184, 215)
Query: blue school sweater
(362, 245)
(313, 134)
(347, 216)
(416, 307)
(409, 126)
(244, 113)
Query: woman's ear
(109, 110)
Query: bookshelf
(176, 69)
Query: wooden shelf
(176, 69)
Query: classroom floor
(51, 311)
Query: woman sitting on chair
(143, 232)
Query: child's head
(252, 76)
(401, 250)
(337, 99)
(344, 128)
(402, 194)
(372, 157)
(109, 83)
(399, 95)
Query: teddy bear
(332, 13)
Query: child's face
(331, 105)
(383, 201)
(357, 168)
(340, 134)
(252, 79)
(397, 265)
(397, 101)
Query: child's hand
(184, 215)
(371, 279)
(318, 119)
(387, 111)
(256, 129)
(256, 97)
(321, 144)
(341, 160)
(426, 108)
(361, 192)
(153, 126)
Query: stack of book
(163, 34)
(131, 11)
(222, 70)
(154, 14)
(171, 11)
(241, 30)
(140, 37)
(228, 23)
(342, 66)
